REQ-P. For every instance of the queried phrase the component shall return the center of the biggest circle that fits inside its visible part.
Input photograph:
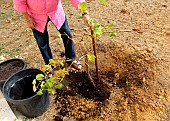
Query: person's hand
(29, 20)
(30, 23)
(86, 18)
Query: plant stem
(87, 68)
(95, 53)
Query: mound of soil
(80, 99)
(127, 88)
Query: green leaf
(113, 34)
(34, 81)
(62, 64)
(91, 57)
(18, 49)
(59, 86)
(42, 84)
(39, 92)
(51, 79)
(110, 25)
(103, 2)
(61, 74)
(65, 71)
(79, 17)
(127, 83)
(51, 91)
(39, 77)
(34, 88)
(96, 25)
(46, 68)
(49, 83)
(98, 31)
(90, 21)
(52, 62)
(59, 35)
(82, 7)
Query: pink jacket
(40, 10)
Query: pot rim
(8, 61)
(14, 59)
(25, 99)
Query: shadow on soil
(79, 83)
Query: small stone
(149, 50)
(160, 97)
(162, 91)
(110, 85)
(87, 115)
(144, 79)
(144, 100)
(142, 109)
(117, 75)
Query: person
(38, 13)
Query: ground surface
(134, 66)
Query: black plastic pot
(9, 67)
(18, 90)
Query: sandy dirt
(134, 65)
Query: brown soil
(134, 66)
(73, 100)
(10, 67)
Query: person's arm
(75, 3)
(86, 17)
(21, 6)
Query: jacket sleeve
(75, 3)
(20, 5)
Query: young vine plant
(96, 32)
(52, 82)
